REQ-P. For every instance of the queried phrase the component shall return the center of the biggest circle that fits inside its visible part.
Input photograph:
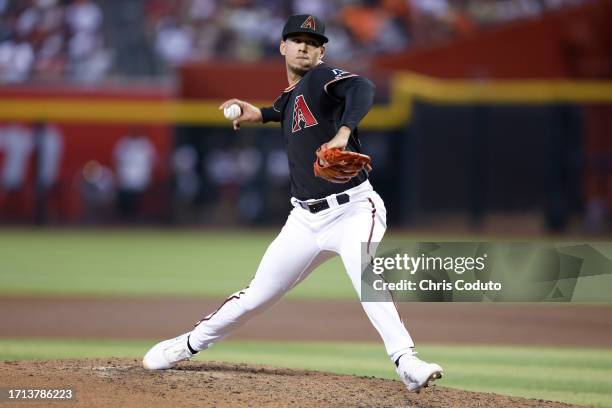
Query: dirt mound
(123, 382)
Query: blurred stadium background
(108, 111)
(493, 118)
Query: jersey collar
(291, 87)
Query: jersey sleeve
(327, 76)
(274, 113)
(358, 96)
(269, 114)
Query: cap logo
(309, 23)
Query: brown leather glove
(339, 166)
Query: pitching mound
(124, 383)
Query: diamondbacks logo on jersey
(302, 115)
(309, 23)
(338, 73)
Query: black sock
(189, 346)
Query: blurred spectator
(174, 42)
(187, 182)
(134, 157)
(16, 142)
(89, 61)
(51, 39)
(16, 61)
(83, 16)
(97, 189)
(320, 8)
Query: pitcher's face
(302, 52)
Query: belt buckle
(316, 206)
(320, 205)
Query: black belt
(320, 205)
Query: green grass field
(145, 262)
(213, 264)
(561, 374)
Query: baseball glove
(339, 166)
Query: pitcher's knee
(256, 302)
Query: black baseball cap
(305, 24)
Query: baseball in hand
(232, 112)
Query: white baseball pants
(305, 242)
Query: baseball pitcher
(335, 207)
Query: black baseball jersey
(310, 115)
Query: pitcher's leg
(287, 260)
(366, 223)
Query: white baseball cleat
(416, 373)
(166, 354)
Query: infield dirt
(124, 383)
(573, 325)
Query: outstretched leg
(289, 259)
